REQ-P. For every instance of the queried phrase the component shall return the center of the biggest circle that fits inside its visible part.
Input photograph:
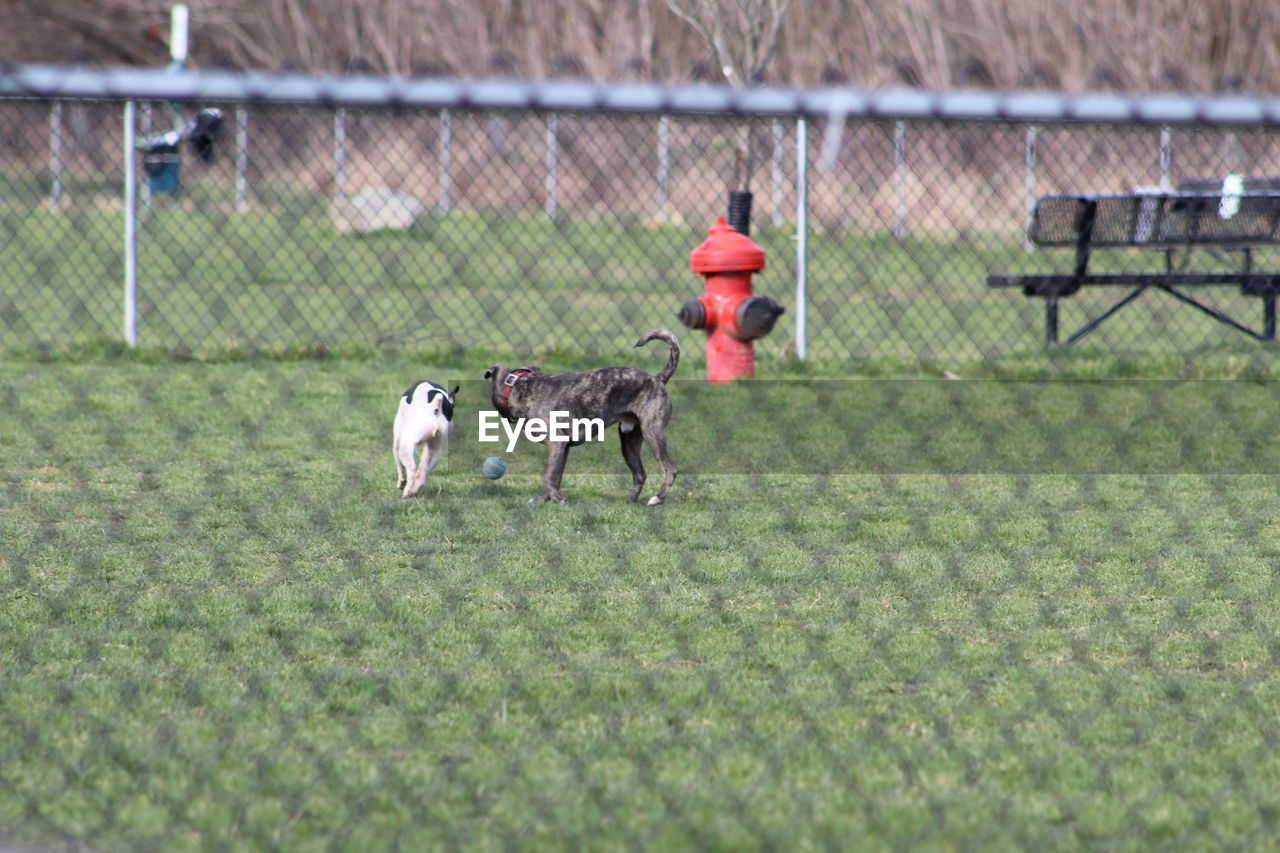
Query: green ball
(493, 467)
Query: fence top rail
(121, 84)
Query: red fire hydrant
(732, 316)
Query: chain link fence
(881, 609)
(313, 227)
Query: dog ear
(453, 395)
(491, 372)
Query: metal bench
(1170, 222)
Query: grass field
(1034, 608)
(875, 614)
(280, 281)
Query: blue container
(161, 162)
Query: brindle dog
(635, 400)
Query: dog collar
(510, 382)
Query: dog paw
(653, 501)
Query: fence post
(446, 156)
(1166, 157)
(242, 159)
(340, 153)
(55, 154)
(802, 238)
(144, 124)
(1033, 134)
(130, 227)
(899, 178)
(664, 163)
(553, 119)
(777, 172)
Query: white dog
(425, 419)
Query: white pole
(1166, 157)
(664, 163)
(130, 228)
(55, 154)
(446, 156)
(552, 121)
(242, 159)
(179, 28)
(144, 122)
(802, 237)
(1033, 133)
(340, 153)
(777, 173)
(900, 178)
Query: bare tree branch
(742, 35)
(1196, 45)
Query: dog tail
(670, 340)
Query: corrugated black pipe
(740, 212)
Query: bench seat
(1167, 221)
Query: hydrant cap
(725, 250)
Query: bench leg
(1102, 318)
(1050, 321)
(1269, 317)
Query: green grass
(880, 611)
(275, 281)
(999, 614)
